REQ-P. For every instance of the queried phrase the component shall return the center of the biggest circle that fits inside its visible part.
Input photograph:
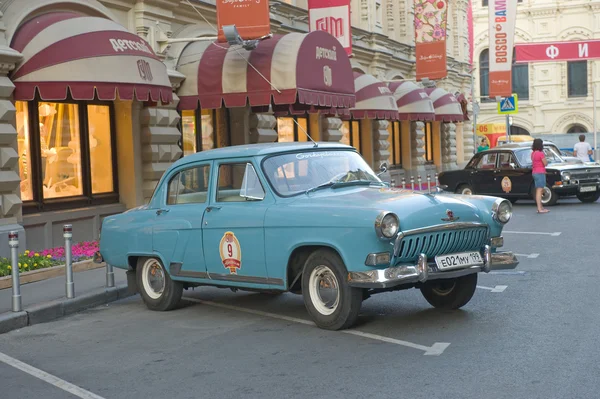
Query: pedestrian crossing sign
(508, 105)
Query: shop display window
(351, 134)
(290, 129)
(203, 130)
(395, 142)
(429, 142)
(66, 154)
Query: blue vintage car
(312, 219)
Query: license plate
(458, 261)
(587, 189)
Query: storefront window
(395, 141)
(23, 140)
(188, 128)
(60, 147)
(351, 134)
(429, 142)
(290, 129)
(210, 123)
(59, 160)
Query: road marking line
(555, 234)
(509, 273)
(530, 256)
(49, 378)
(498, 288)
(435, 350)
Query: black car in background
(506, 172)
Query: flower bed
(31, 260)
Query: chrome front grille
(445, 241)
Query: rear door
(510, 180)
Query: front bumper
(574, 188)
(426, 271)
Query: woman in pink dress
(539, 162)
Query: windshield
(524, 156)
(291, 174)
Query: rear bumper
(98, 258)
(426, 271)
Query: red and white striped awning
(413, 102)
(306, 70)
(88, 57)
(447, 107)
(374, 100)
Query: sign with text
(558, 51)
(332, 16)
(430, 38)
(502, 18)
(250, 17)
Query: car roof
(251, 150)
(522, 144)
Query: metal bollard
(419, 181)
(13, 243)
(393, 183)
(437, 182)
(412, 182)
(403, 183)
(429, 184)
(70, 285)
(110, 276)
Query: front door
(177, 232)
(234, 239)
(482, 174)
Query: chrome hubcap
(324, 290)
(153, 278)
(467, 191)
(546, 195)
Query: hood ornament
(450, 217)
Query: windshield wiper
(336, 184)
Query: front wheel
(330, 301)
(549, 196)
(450, 293)
(158, 291)
(587, 198)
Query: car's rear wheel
(588, 197)
(450, 293)
(330, 301)
(157, 289)
(464, 189)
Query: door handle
(210, 208)
(161, 211)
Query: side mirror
(382, 169)
(251, 188)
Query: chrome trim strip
(426, 271)
(246, 279)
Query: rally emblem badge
(506, 185)
(231, 252)
(450, 216)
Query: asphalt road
(529, 333)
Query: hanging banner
(430, 38)
(502, 19)
(558, 51)
(332, 16)
(250, 17)
(470, 31)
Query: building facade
(554, 97)
(75, 152)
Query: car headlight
(566, 176)
(387, 225)
(502, 210)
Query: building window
(290, 129)
(395, 141)
(429, 142)
(519, 131)
(351, 134)
(520, 77)
(66, 154)
(577, 129)
(378, 14)
(577, 78)
(198, 137)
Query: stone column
(381, 145)
(467, 134)
(448, 138)
(262, 128)
(10, 193)
(160, 134)
(417, 148)
(331, 129)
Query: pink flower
(438, 32)
(418, 23)
(430, 15)
(418, 9)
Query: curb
(33, 276)
(49, 311)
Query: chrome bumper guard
(426, 271)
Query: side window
(190, 186)
(238, 182)
(507, 161)
(488, 161)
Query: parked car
(506, 172)
(310, 219)
(565, 156)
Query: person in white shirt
(582, 150)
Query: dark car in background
(567, 156)
(505, 171)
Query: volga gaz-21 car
(505, 171)
(306, 218)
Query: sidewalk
(46, 300)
